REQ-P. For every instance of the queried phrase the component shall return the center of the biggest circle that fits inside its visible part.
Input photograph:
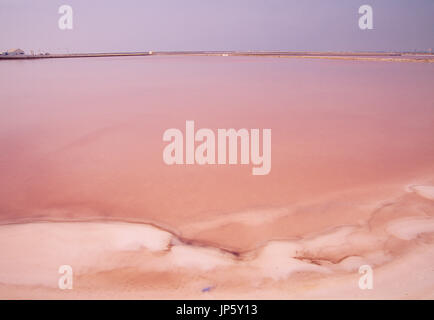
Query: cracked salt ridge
(93, 245)
(43, 246)
(423, 191)
(410, 228)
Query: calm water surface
(83, 137)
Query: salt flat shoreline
(352, 181)
(363, 56)
(129, 260)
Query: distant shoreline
(364, 56)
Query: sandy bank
(131, 260)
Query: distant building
(13, 52)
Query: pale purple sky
(142, 25)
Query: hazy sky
(142, 25)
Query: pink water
(82, 138)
